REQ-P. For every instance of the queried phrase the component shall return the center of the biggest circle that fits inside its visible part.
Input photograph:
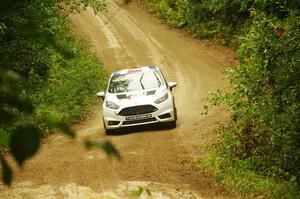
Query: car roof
(135, 69)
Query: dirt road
(160, 160)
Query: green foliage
(107, 147)
(57, 123)
(238, 178)
(168, 10)
(48, 79)
(6, 172)
(74, 82)
(24, 142)
(264, 133)
(22, 138)
(55, 67)
(266, 97)
(218, 19)
(68, 5)
(140, 190)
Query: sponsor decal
(133, 70)
(131, 96)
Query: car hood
(136, 98)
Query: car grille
(137, 110)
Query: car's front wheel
(106, 131)
(109, 131)
(172, 125)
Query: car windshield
(135, 80)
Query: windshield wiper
(159, 83)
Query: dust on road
(160, 160)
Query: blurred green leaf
(24, 142)
(138, 192)
(66, 129)
(148, 191)
(127, 1)
(9, 77)
(6, 116)
(6, 172)
(106, 146)
(22, 103)
(57, 123)
(4, 138)
(205, 110)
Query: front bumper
(164, 113)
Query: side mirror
(172, 85)
(101, 94)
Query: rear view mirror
(172, 85)
(101, 94)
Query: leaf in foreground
(140, 190)
(57, 123)
(106, 146)
(24, 142)
(4, 138)
(6, 172)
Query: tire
(172, 125)
(175, 114)
(106, 131)
(109, 131)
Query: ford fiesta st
(138, 96)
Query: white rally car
(138, 96)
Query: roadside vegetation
(48, 77)
(259, 149)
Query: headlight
(110, 104)
(162, 99)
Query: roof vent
(121, 96)
(150, 92)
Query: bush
(47, 78)
(238, 178)
(266, 97)
(70, 89)
(217, 19)
(61, 76)
(264, 131)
